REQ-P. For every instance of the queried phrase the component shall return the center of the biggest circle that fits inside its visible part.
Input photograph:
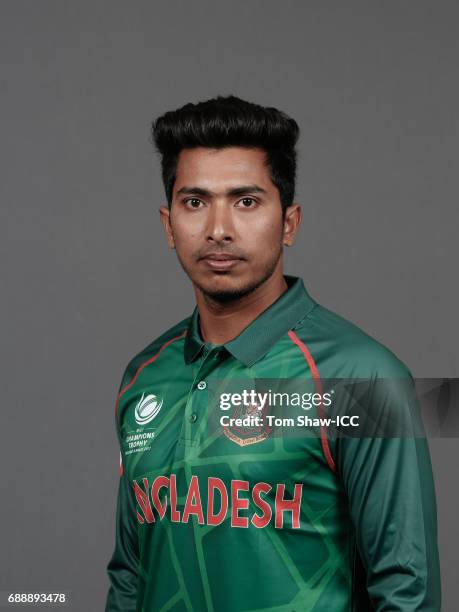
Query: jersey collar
(257, 338)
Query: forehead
(216, 169)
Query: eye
(247, 203)
(193, 203)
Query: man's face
(225, 220)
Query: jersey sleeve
(389, 484)
(123, 566)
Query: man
(238, 518)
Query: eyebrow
(235, 191)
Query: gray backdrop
(87, 280)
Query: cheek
(187, 237)
(261, 228)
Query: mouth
(221, 261)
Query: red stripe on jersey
(318, 383)
(144, 365)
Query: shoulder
(174, 334)
(343, 346)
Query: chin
(227, 289)
(221, 289)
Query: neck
(221, 322)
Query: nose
(220, 226)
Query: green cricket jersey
(236, 518)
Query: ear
(292, 220)
(165, 216)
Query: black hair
(229, 121)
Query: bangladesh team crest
(248, 425)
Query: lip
(221, 261)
